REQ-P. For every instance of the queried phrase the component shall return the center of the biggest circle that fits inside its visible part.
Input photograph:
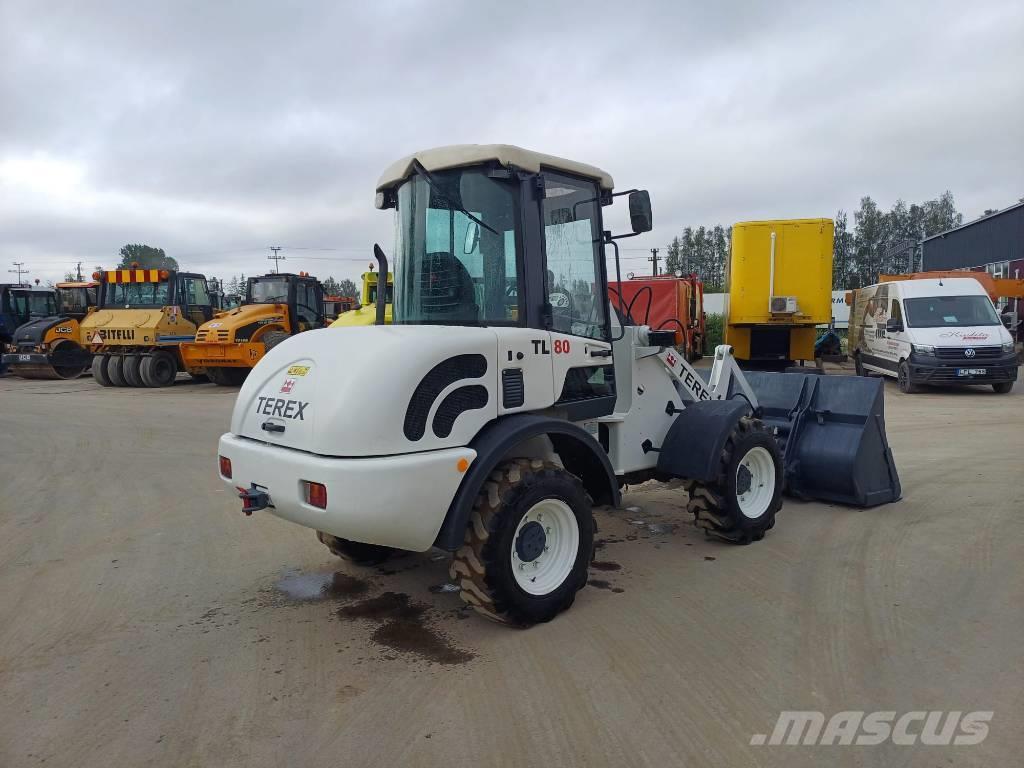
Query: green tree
(348, 288)
(146, 256)
(330, 286)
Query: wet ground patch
(402, 628)
(296, 587)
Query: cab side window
(196, 294)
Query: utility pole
(18, 269)
(276, 257)
(654, 260)
(78, 269)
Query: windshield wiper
(418, 167)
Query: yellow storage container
(779, 287)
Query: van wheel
(1003, 387)
(858, 365)
(528, 544)
(740, 504)
(903, 380)
(355, 551)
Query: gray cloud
(216, 129)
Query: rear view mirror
(893, 325)
(640, 215)
(472, 237)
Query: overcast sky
(216, 129)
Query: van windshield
(950, 311)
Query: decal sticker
(62, 329)
(287, 386)
(215, 325)
(298, 370)
(279, 406)
(540, 346)
(561, 346)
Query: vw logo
(969, 352)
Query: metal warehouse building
(993, 243)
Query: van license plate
(971, 371)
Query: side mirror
(472, 237)
(640, 215)
(893, 325)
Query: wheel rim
(755, 482)
(545, 547)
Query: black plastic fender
(580, 453)
(694, 443)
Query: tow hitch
(253, 499)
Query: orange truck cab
(274, 307)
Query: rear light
(316, 494)
(225, 467)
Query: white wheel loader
(506, 397)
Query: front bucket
(831, 430)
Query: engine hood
(242, 323)
(124, 318)
(372, 391)
(35, 330)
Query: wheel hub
(531, 541)
(743, 479)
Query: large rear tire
(528, 545)
(99, 370)
(228, 377)
(115, 371)
(740, 504)
(272, 338)
(131, 372)
(1003, 387)
(158, 369)
(355, 551)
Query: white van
(931, 332)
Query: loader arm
(724, 372)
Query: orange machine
(275, 307)
(663, 302)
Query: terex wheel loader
(506, 397)
(143, 318)
(51, 347)
(276, 306)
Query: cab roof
(460, 155)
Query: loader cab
(77, 299)
(302, 294)
(497, 236)
(21, 303)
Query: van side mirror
(640, 216)
(893, 325)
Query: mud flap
(831, 430)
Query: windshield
(136, 294)
(268, 291)
(950, 311)
(449, 269)
(34, 303)
(73, 300)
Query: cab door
(309, 306)
(196, 299)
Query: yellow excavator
(52, 347)
(275, 307)
(366, 313)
